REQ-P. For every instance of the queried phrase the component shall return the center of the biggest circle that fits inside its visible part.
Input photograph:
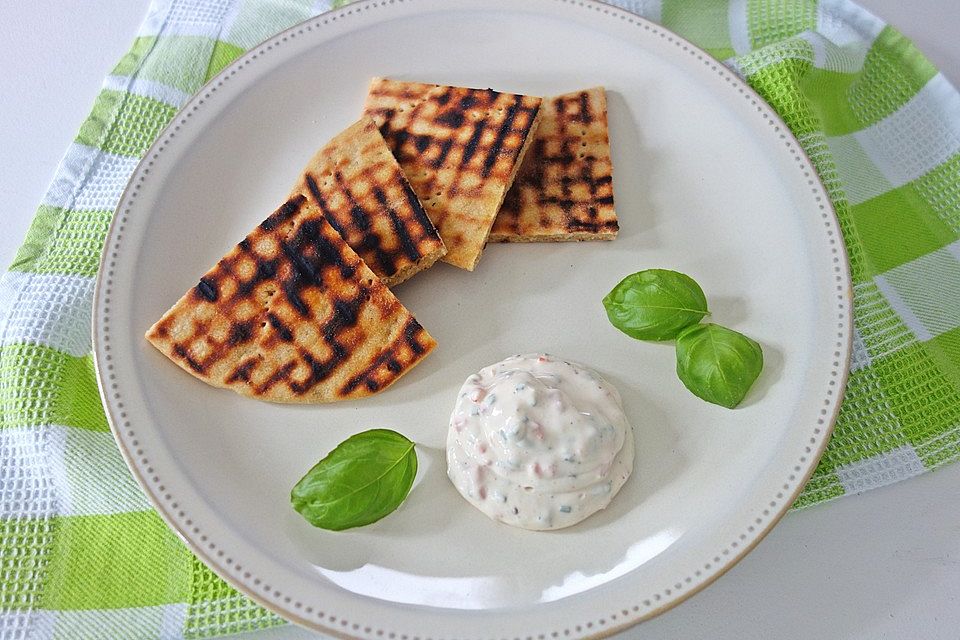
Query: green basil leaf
(718, 364)
(655, 304)
(364, 479)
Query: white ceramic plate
(708, 181)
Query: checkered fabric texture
(82, 555)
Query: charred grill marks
(284, 213)
(182, 352)
(289, 261)
(477, 136)
(560, 174)
(207, 290)
(505, 129)
(389, 359)
(280, 375)
(593, 227)
(360, 218)
(240, 332)
(411, 333)
(421, 216)
(361, 222)
(327, 253)
(345, 314)
(445, 147)
(243, 371)
(470, 149)
(453, 118)
(304, 269)
(357, 186)
(585, 116)
(285, 334)
(406, 242)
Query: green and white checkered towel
(82, 555)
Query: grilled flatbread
(292, 314)
(460, 148)
(564, 190)
(358, 185)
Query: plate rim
(604, 629)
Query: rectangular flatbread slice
(460, 149)
(564, 190)
(356, 182)
(292, 314)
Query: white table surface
(885, 564)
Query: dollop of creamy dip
(538, 443)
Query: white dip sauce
(538, 443)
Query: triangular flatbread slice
(358, 185)
(292, 314)
(564, 190)
(460, 149)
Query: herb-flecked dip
(538, 442)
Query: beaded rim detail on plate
(305, 614)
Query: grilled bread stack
(300, 309)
